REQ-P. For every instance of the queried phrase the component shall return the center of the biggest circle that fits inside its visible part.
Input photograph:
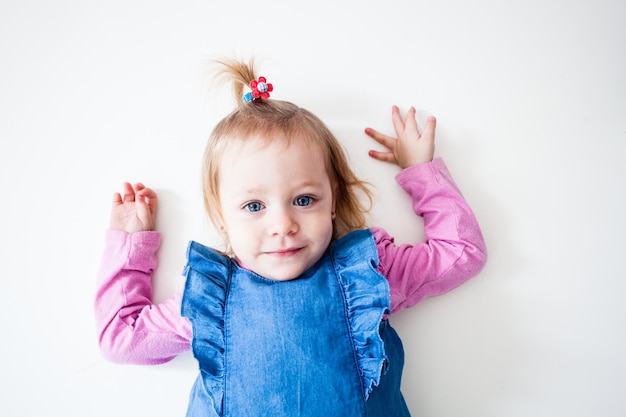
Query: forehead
(270, 147)
(258, 159)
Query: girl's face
(277, 206)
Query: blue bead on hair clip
(260, 89)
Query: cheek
(243, 236)
(324, 228)
(239, 235)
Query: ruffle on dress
(367, 299)
(204, 300)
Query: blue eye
(303, 201)
(254, 206)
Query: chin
(283, 277)
(283, 274)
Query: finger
(386, 141)
(129, 193)
(410, 124)
(151, 200)
(143, 209)
(143, 196)
(429, 129)
(149, 197)
(117, 199)
(146, 192)
(383, 156)
(396, 119)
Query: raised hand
(134, 210)
(410, 147)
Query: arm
(454, 250)
(130, 328)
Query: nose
(282, 222)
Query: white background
(531, 102)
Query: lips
(284, 253)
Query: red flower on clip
(260, 88)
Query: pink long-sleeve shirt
(134, 330)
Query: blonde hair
(273, 120)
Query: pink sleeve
(454, 250)
(130, 328)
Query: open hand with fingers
(134, 210)
(410, 147)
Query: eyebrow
(261, 189)
(311, 184)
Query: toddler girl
(292, 318)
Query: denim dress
(314, 346)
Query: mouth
(284, 253)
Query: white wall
(531, 102)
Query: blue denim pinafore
(313, 346)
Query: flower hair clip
(260, 89)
